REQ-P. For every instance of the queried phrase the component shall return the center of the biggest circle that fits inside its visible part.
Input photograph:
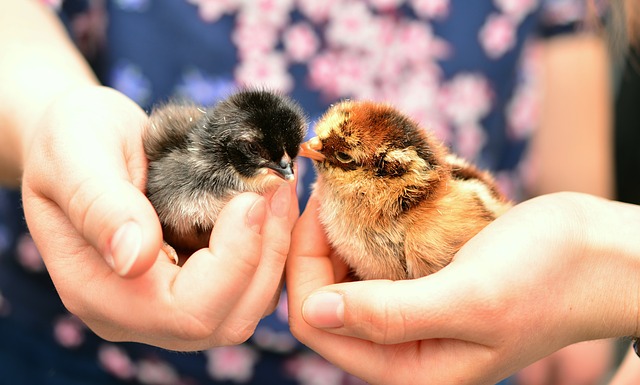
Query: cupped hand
(551, 272)
(100, 237)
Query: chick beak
(311, 149)
(284, 168)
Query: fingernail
(255, 216)
(324, 310)
(125, 247)
(281, 201)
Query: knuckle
(84, 206)
(277, 256)
(246, 265)
(385, 324)
(237, 333)
(194, 331)
(190, 328)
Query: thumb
(390, 312)
(118, 220)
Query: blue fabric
(154, 50)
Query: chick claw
(171, 252)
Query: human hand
(84, 206)
(550, 272)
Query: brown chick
(394, 203)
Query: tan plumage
(395, 204)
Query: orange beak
(311, 149)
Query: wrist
(39, 64)
(609, 235)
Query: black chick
(200, 158)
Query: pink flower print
(157, 373)
(115, 361)
(300, 42)
(352, 73)
(311, 369)
(28, 254)
(272, 12)
(523, 113)
(269, 71)
(431, 9)
(507, 183)
(352, 26)
(428, 117)
(418, 95)
(470, 138)
(559, 12)
(53, 4)
(323, 72)
(317, 11)
(234, 363)
(531, 61)
(212, 10)
(253, 37)
(529, 172)
(466, 98)
(516, 9)
(69, 331)
(385, 5)
(282, 310)
(523, 110)
(439, 127)
(385, 31)
(419, 45)
(341, 75)
(275, 341)
(497, 35)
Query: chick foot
(171, 252)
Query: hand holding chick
(99, 235)
(394, 203)
(201, 158)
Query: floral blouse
(463, 69)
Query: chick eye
(252, 147)
(343, 157)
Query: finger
(276, 234)
(308, 266)
(104, 150)
(116, 217)
(390, 312)
(213, 280)
(310, 250)
(294, 211)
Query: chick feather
(394, 202)
(200, 158)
